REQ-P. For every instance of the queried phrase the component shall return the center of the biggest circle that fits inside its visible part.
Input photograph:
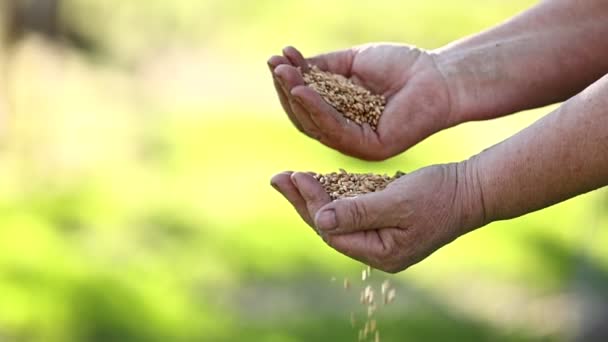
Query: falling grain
(391, 296)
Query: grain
(390, 296)
(343, 184)
(352, 100)
(370, 330)
(385, 286)
(365, 273)
(371, 309)
(372, 325)
(368, 295)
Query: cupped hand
(394, 228)
(418, 99)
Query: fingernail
(296, 98)
(294, 179)
(280, 81)
(326, 220)
(275, 186)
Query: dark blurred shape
(585, 277)
(43, 17)
(165, 228)
(105, 309)
(40, 16)
(595, 325)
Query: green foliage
(132, 212)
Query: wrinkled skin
(525, 62)
(418, 101)
(391, 229)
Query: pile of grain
(351, 100)
(343, 184)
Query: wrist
(459, 90)
(473, 211)
(481, 86)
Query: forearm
(542, 56)
(560, 156)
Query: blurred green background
(137, 142)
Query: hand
(418, 100)
(394, 228)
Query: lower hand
(394, 228)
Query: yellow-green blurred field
(135, 202)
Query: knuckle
(374, 156)
(330, 240)
(393, 268)
(298, 126)
(358, 213)
(300, 129)
(384, 254)
(315, 135)
(310, 131)
(386, 266)
(312, 198)
(378, 153)
(392, 265)
(388, 260)
(382, 258)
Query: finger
(289, 77)
(312, 192)
(366, 212)
(338, 62)
(310, 128)
(361, 246)
(336, 131)
(282, 183)
(321, 112)
(287, 106)
(296, 58)
(273, 62)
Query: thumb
(365, 212)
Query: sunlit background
(138, 138)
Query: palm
(417, 99)
(382, 68)
(389, 229)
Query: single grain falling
(365, 273)
(372, 325)
(353, 101)
(343, 184)
(390, 297)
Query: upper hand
(418, 100)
